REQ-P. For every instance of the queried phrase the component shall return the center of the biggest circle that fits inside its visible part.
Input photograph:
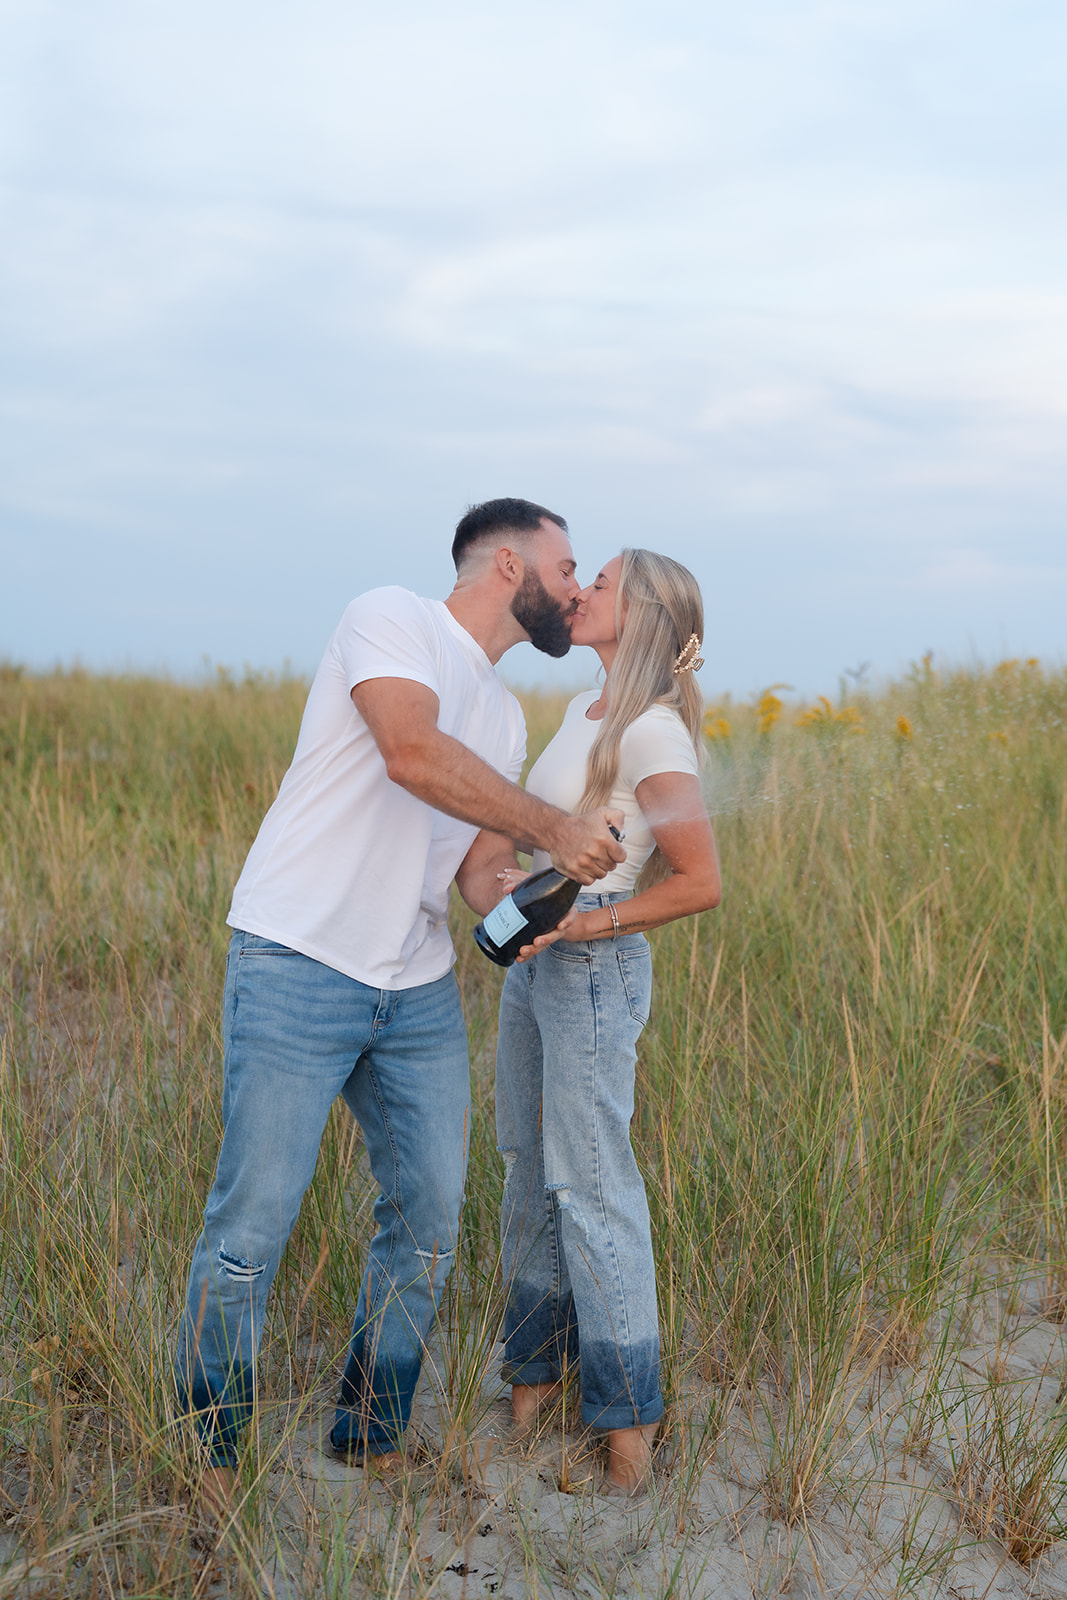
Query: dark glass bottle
(536, 906)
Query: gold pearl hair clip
(689, 657)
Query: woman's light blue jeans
(577, 1245)
(297, 1034)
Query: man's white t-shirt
(348, 867)
(656, 741)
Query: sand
(909, 1495)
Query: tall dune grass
(851, 1112)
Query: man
(339, 974)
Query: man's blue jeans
(297, 1034)
(577, 1241)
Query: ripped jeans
(577, 1246)
(297, 1034)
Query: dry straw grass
(851, 1114)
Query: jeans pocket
(635, 969)
(575, 953)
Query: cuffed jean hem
(607, 1418)
(604, 1418)
(530, 1372)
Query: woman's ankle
(528, 1398)
(630, 1454)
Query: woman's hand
(509, 879)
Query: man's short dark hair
(497, 518)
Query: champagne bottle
(536, 906)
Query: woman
(577, 1247)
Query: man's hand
(582, 847)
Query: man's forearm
(451, 778)
(442, 772)
(483, 882)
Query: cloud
(976, 570)
(779, 286)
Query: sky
(777, 289)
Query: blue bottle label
(503, 921)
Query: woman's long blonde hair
(657, 609)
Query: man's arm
(480, 877)
(402, 716)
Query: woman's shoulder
(577, 708)
(658, 740)
(583, 701)
(660, 717)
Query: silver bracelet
(614, 919)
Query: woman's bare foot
(527, 1400)
(630, 1459)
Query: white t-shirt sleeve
(656, 742)
(518, 752)
(384, 634)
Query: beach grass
(851, 1116)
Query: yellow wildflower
(716, 727)
(823, 718)
(903, 728)
(820, 716)
(768, 711)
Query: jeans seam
(396, 1198)
(616, 1274)
(236, 976)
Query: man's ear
(510, 565)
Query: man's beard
(544, 619)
